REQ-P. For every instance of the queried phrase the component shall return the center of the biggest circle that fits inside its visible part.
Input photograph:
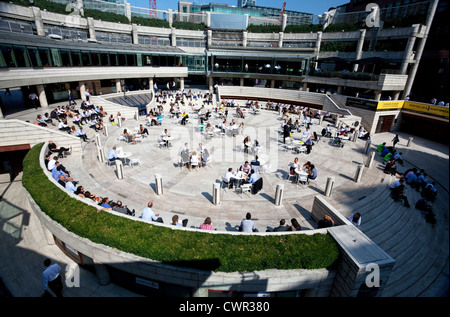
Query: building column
(318, 41)
(280, 39)
(305, 87)
(91, 27)
(82, 87)
(150, 83)
(211, 85)
(359, 47)
(170, 17)
(42, 97)
(339, 90)
(128, 11)
(173, 38)
(181, 83)
(244, 38)
(377, 95)
(118, 86)
(134, 34)
(241, 81)
(284, 22)
(408, 55)
(420, 48)
(272, 83)
(396, 95)
(38, 21)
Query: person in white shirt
(51, 278)
(70, 186)
(112, 156)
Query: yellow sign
(388, 105)
(425, 108)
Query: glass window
(95, 57)
(56, 57)
(122, 59)
(21, 55)
(131, 60)
(44, 55)
(104, 59)
(8, 56)
(65, 58)
(86, 58)
(34, 56)
(146, 60)
(76, 58)
(113, 59)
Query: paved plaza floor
(189, 193)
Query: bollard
(355, 136)
(409, 141)
(359, 173)
(367, 146)
(105, 130)
(97, 140)
(119, 169)
(320, 120)
(100, 155)
(329, 186)
(158, 182)
(279, 194)
(216, 194)
(119, 121)
(370, 159)
(136, 115)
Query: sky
(308, 6)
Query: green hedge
(264, 28)
(211, 252)
(188, 25)
(304, 28)
(158, 23)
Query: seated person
(119, 207)
(325, 222)
(230, 179)
(130, 138)
(142, 130)
(398, 157)
(81, 134)
(253, 177)
(112, 156)
(62, 126)
(149, 214)
(424, 205)
(255, 162)
(281, 227)
(246, 168)
(429, 191)
(54, 148)
(390, 168)
(194, 159)
(312, 173)
(398, 193)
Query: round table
(123, 156)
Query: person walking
(51, 278)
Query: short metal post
(409, 141)
(329, 186)
(119, 169)
(158, 182)
(359, 173)
(279, 194)
(367, 146)
(216, 194)
(370, 159)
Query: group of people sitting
(308, 168)
(63, 177)
(195, 158)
